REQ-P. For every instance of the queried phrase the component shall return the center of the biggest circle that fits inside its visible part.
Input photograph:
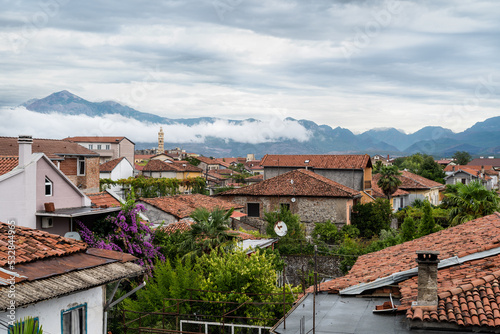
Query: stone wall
(300, 268)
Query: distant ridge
(481, 138)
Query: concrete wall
(18, 198)
(169, 175)
(298, 268)
(349, 178)
(156, 215)
(127, 150)
(310, 209)
(49, 311)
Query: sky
(354, 64)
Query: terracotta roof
(377, 192)
(484, 162)
(181, 226)
(255, 178)
(469, 238)
(181, 206)
(103, 200)
(305, 183)
(449, 168)
(414, 181)
(470, 171)
(7, 164)
(143, 156)
(138, 167)
(323, 161)
(34, 245)
(97, 139)
(243, 235)
(176, 166)
(472, 304)
(110, 165)
(52, 148)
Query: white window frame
(108, 147)
(99, 146)
(79, 167)
(91, 146)
(49, 183)
(73, 314)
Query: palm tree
(389, 181)
(209, 231)
(471, 201)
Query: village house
(398, 199)
(36, 194)
(181, 170)
(60, 282)
(386, 161)
(313, 197)
(79, 164)
(446, 281)
(465, 174)
(353, 171)
(222, 177)
(419, 187)
(115, 170)
(108, 148)
(211, 164)
(170, 209)
(488, 161)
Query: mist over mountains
(219, 137)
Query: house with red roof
(353, 171)
(447, 281)
(313, 197)
(108, 148)
(465, 174)
(399, 199)
(207, 164)
(79, 164)
(61, 282)
(37, 194)
(419, 187)
(170, 209)
(115, 170)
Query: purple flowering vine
(130, 235)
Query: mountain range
(481, 138)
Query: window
(253, 209)
(81, 166)
(48, 187)
(108, 147)
(74, 320)
(99, 146)
(285, 206)
(91, 146)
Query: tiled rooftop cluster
(414, 181)
(103, 200)
(51, 147)
(176, 166)
(323, 161)
(305, 183)
(34, 245)
(469, 238)
(182, 206)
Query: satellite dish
(280, 228)
(293, 199)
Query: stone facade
(300, 268)
(88, 183)
(310, 209)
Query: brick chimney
(427, 278)
(25, 143)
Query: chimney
(427, 278)
(25, 143)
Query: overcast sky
(354, 64)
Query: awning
(77, 212)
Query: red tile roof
(414, 181)
(305, 183)
(52, 148)
(377, 192)
(473, 172)
(143, 156)
(138, 167)
(7, 164)
(181, 226)
(323, 161)
(176, 166)
(110, 165)
(255, 178)
(469, 238)
(104, 200)
(96, 139)
(450, 168)
(209, 161)
(181, 206)
(32, 245)
(484, 162)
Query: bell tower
(161, 147)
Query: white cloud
(16, 121)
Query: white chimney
(25, 143)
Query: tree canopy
(462, 157)
(389, 181)
(423, 165)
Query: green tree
(408, 229)
(427, 224)
(371, 218)
(461, 157)
(376, 168)
(471, 201)
(326, 232)
(295, 229)
(389, 181)
(423, 165)
(209, 231)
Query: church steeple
(161, 147)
